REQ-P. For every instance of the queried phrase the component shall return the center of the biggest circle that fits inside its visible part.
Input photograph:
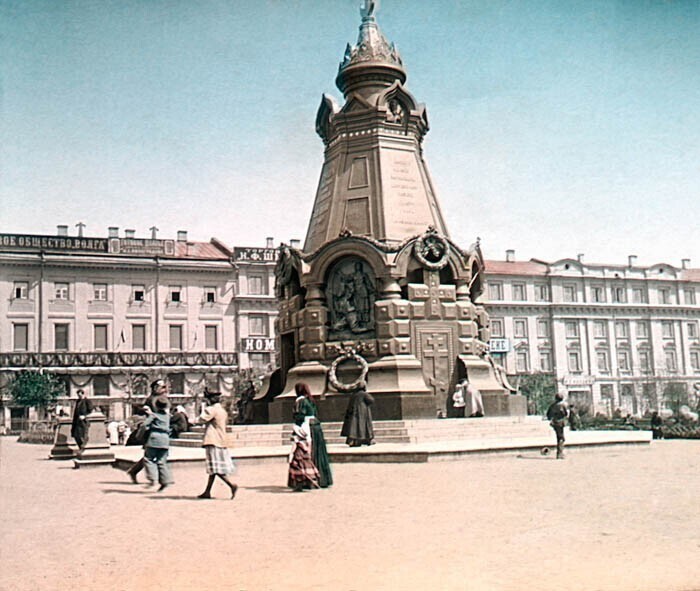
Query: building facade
(108, 315)
(613, 336)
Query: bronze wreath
(421, 248)
(359, 382)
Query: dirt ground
(616, 518)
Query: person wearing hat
(79, 428)
(158, 443)
(557, 414)
(158, 388)
(218, 457)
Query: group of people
(467, 400)
(160, 426)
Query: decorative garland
(348, 353)
(422, 247)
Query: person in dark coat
(557, 413)
(79, 429)
(158, 444)
(357, 426)
(656, 426)
(158, 388)
(178, 422)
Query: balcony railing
(116, 359)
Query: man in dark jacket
(158, 388)
(79, 429)
(557, 414)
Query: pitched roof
(690, 275)
(201, 250)
(516, 268)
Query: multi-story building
(110, 314)
(613, 336)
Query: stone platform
(419, 441)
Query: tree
(675, 395)
(35, 388)
(538, 387)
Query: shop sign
(142, 246)
(255, 255)
(499, 345)
(66, 243)
(258, 345)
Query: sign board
(255, 255)
(141, 246)
(578, 380)
(258, 345)
(58, 243)
(499, 345)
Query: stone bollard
(62, 449)
(96, 451)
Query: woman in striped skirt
(218, 457)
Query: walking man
(557, 414)
(79, 428)
(158, 388)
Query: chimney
(631, 260)
(294, 243)
(579, 256)
(129, 233)
(270, 242)
(685, 263)
(61, 230)
(510, 256)
(182, 235)
(113, 232)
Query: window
(519, 292)
(60, 337)
(176, 337)
(574, 361)
(520, 328)
(257, 325)
(619, 294)
(175, 294)
(100, 332)
(689, 296)
(600, 329)
(496, 291)
(138, 337)
(623, 360)
(177, 383)
(597, 293)
(639, 296)
(667, 329)
(693, 330)
(543, 328)
(541, 292)
(642, 329)
(20, 336)
(259, 360)
(20, 290)
(603, 361)
(210, 295)
(664, 295)
(621, 329)
(695, 360)
(522, 361)
(546, 360)
(100, 385)
(210, 337)
(569, 292)
(61, 291)
(571, 328)
(644, 360)
(671, 364)
(256, 285)
(99, 292)
(138, 293)
(497, 327)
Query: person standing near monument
(158, 443)
(306, 409)
(302, 471)
(458, 402)
(158, 388)
(557, 414)
(218, 458)
(357, 426)
(79, 428)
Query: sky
(558, 127)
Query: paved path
(604, 519)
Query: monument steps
(395, 431)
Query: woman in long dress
(357, 427)
(302, 471)
(305, 408)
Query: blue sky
(558, 127)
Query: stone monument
(380, 291)
(97, 451)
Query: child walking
(218, 458)
(302, 471)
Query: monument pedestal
(97, 450)
(62, 449)
(504, 405)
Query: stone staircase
(408, 431)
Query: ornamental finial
(368, 9)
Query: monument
(380, 292)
